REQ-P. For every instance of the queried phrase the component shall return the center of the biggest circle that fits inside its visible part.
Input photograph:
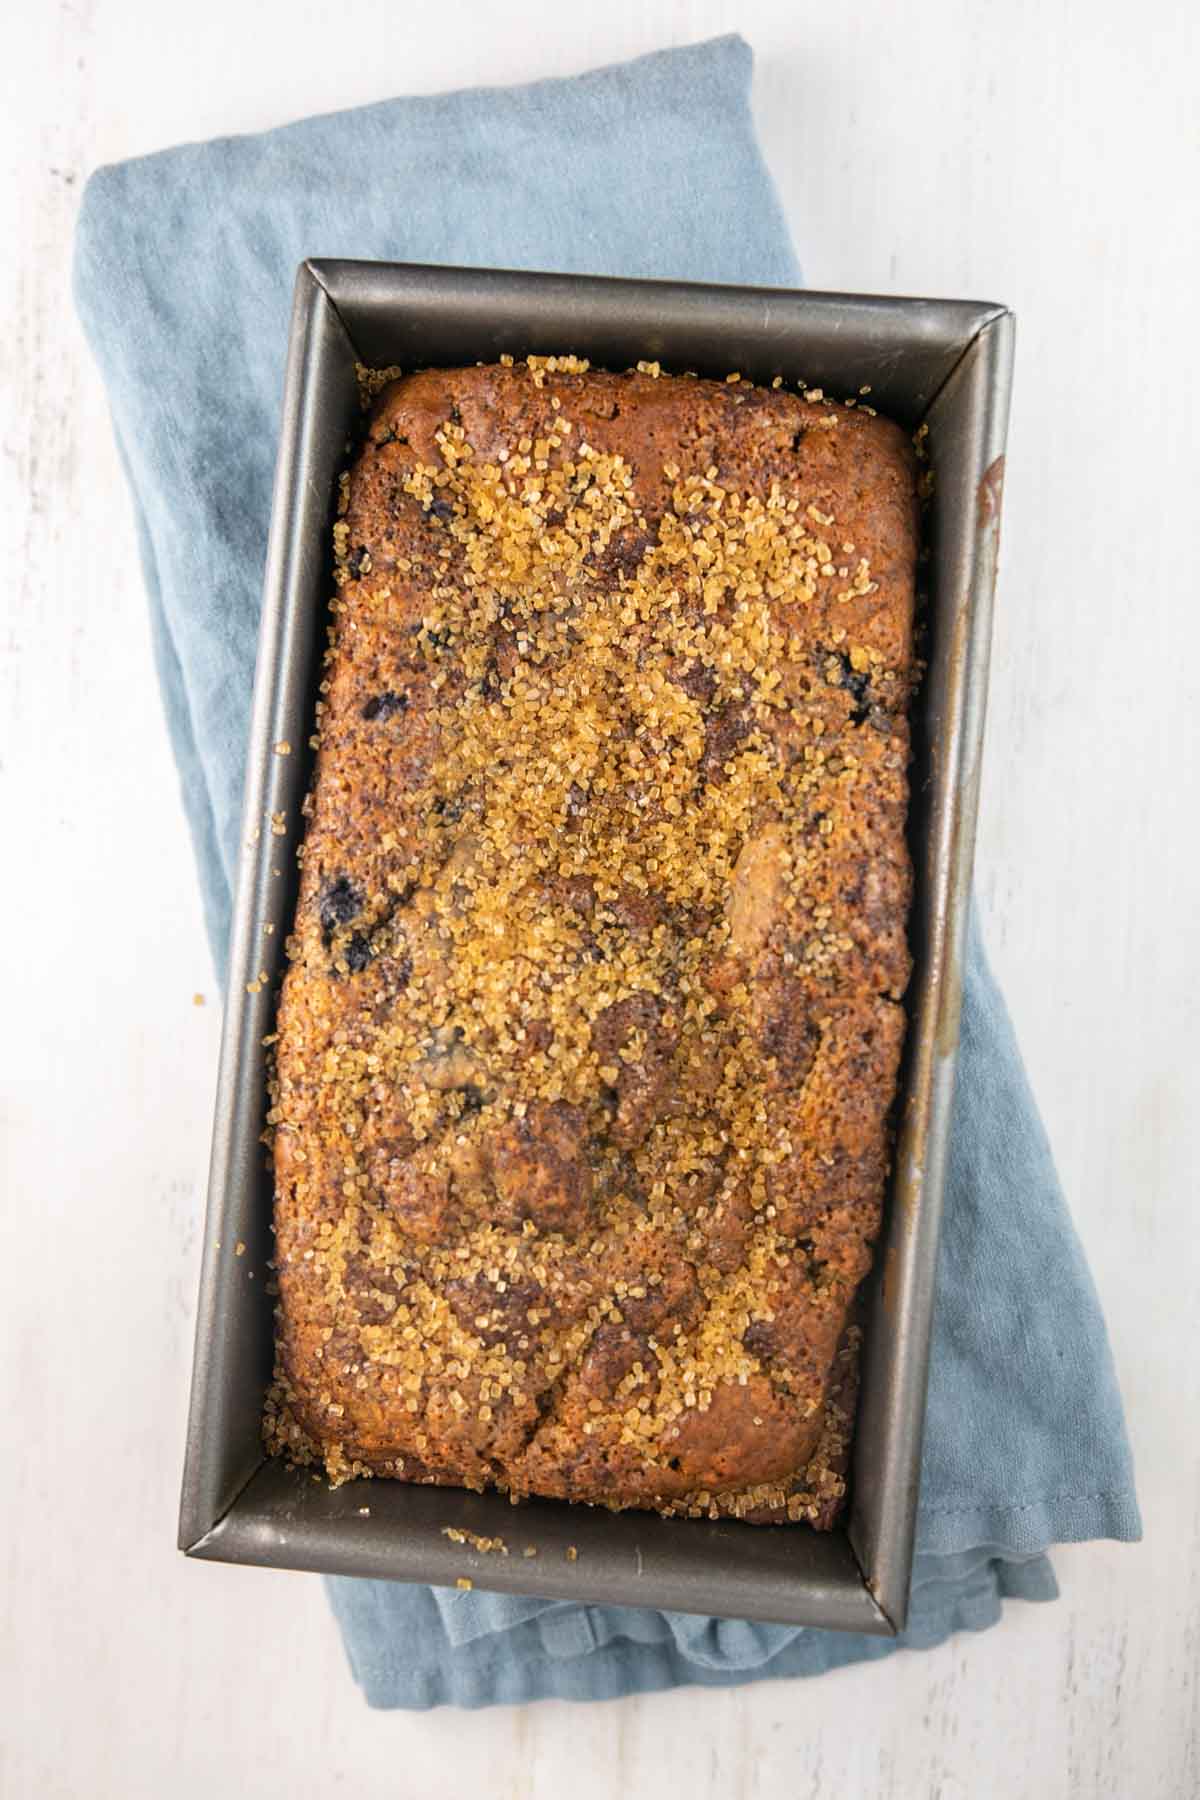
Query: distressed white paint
(1042, 155)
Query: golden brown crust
(592, 1022)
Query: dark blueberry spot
(472, 1099)
(798, 438)
(440, 509)
(857, 684)
(439, 640)
(449, 810)
(759, 1340)
(359, 560)
(455, 414)
(815, 1265)
(339, 901)
(382, 706)
(358, 952)
(625, 553)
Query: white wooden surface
(1046, 155)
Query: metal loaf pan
(943, 363)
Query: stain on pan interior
(989, 495)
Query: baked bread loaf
(593, 1015)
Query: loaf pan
(945, 364)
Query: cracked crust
(593, 1020)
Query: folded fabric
(184, 270)
(487, 1649)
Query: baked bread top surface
(592, 1023)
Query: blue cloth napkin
(184, 268)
